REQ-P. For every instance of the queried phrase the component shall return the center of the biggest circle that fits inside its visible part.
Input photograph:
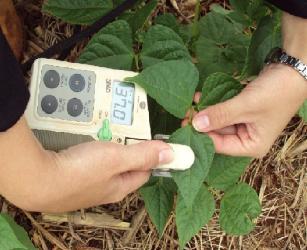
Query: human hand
(99, 173)
(248, 124)
(82, 176)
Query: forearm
(295, 44)
(295, 36)
(27, 170)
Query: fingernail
(200, 123)
(166, 156)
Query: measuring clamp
(73, 103)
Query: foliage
(13, 236)
(218, 87)
(190, 181)
(111, 47)
(171, 83)
(78, 11)
(226, 46)
(239, 206)
(303, 111)
(161, 208)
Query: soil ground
(280, 177)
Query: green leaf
(110, 47)
(168, 20)
(218, 28)
(78, 11)
(221, 47)
(140, 17)
(172, 84)
(158, 195)
(226, 170)
(219, 9)
(303, 111)
(190, 181)
(252, 9)
(190, 220)
(238, 19)
(162, 44)
(13, 236)
(217, 88)
(118, 2)
(239, 206)
(264, 39)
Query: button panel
(52, 79)
(74, 107)
(49, 104)
(77, 83)
(66, 94)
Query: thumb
(146, 155)
(219, 116)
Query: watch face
(273, 55)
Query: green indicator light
(105, 133)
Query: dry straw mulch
(280, 178)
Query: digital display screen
(122, 103)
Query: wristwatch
(278, 55)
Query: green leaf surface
(221, 47)
(218, 28)
(239, 207)
(118, 2)
(78, 11)
(217, 88)
(110, 47)
(162, 44)
(170, 21)
(303, 111)
(226, 170)
(264, 39)
(252, 9)
(219, 9)
(172, 84)
(238, 19)
(190, 220)
(140, 17)
(190, 181)
(158, 195)
(13, 236)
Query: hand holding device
(74, 103)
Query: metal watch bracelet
(278, 55)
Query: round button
(52, 79)
(49, 104)
(77, 83)
(74, 107)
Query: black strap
(89, 31)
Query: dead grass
(280, 179)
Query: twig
(91, 219)
(48, 235)
(135, 225)
(299, 149)
(300, 188)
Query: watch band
(278, 55)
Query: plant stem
(195, 29)
(136, 61)
(192, 109)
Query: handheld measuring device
(73, 103)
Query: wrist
(295, 36)
(290, 80)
